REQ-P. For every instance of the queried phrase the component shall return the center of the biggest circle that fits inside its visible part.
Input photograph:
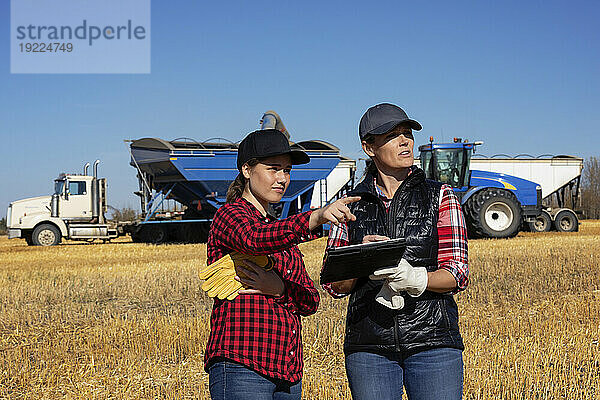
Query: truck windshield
(59, 186)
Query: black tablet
(360, 260)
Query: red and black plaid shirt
(258, 331)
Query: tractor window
(59, 187)
(449, 166)
(425, 158)
(77, 187)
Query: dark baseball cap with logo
(268, 143)
(382, 118)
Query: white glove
(389, 298)
(403, 277)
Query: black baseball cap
(382, 118)
(268, 143)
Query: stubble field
(128, 321)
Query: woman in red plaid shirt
(255, 347)
(402, 321)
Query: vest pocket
(450, 312)
(445, 320)
(370, 324)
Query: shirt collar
(253, 210)
(380, 192)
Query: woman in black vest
(402, 322)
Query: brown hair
(236, 188)
(370, 166)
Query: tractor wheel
(493, 213)
(566, 221)
(45, 235)
(542, 223)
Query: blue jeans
(232, 381)
(435, 374)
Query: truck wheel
(566, 221)
(136, 237)
(542, 223)
(154, 234)
(494, 213)
(45, 235)
(196, 232)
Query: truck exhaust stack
(95, 197)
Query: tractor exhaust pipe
(272, 120)
(85, 168)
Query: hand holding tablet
(361, 260)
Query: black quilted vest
(425, 322)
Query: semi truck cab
(74, 196)
(74, 211)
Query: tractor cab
(494, 204)
(448, 162)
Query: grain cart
(559, 177)
(495, 204)
(75, 211)
(197, 175)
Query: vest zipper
(391, 233)
(390, 225)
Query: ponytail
(371, 168)
(236, 188)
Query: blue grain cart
(197, 175)
(495, 205)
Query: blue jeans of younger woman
(435, 374)
(232, 381)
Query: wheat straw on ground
(128, 321)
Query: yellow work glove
(220, 276)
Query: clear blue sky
(521, 76)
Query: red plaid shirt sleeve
(300, 298)
(452, 240)
(261, 332)
(338, 237)
(251, 235)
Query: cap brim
(385, 128)
(299, 157)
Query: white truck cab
(75, 211)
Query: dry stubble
(126, 320)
